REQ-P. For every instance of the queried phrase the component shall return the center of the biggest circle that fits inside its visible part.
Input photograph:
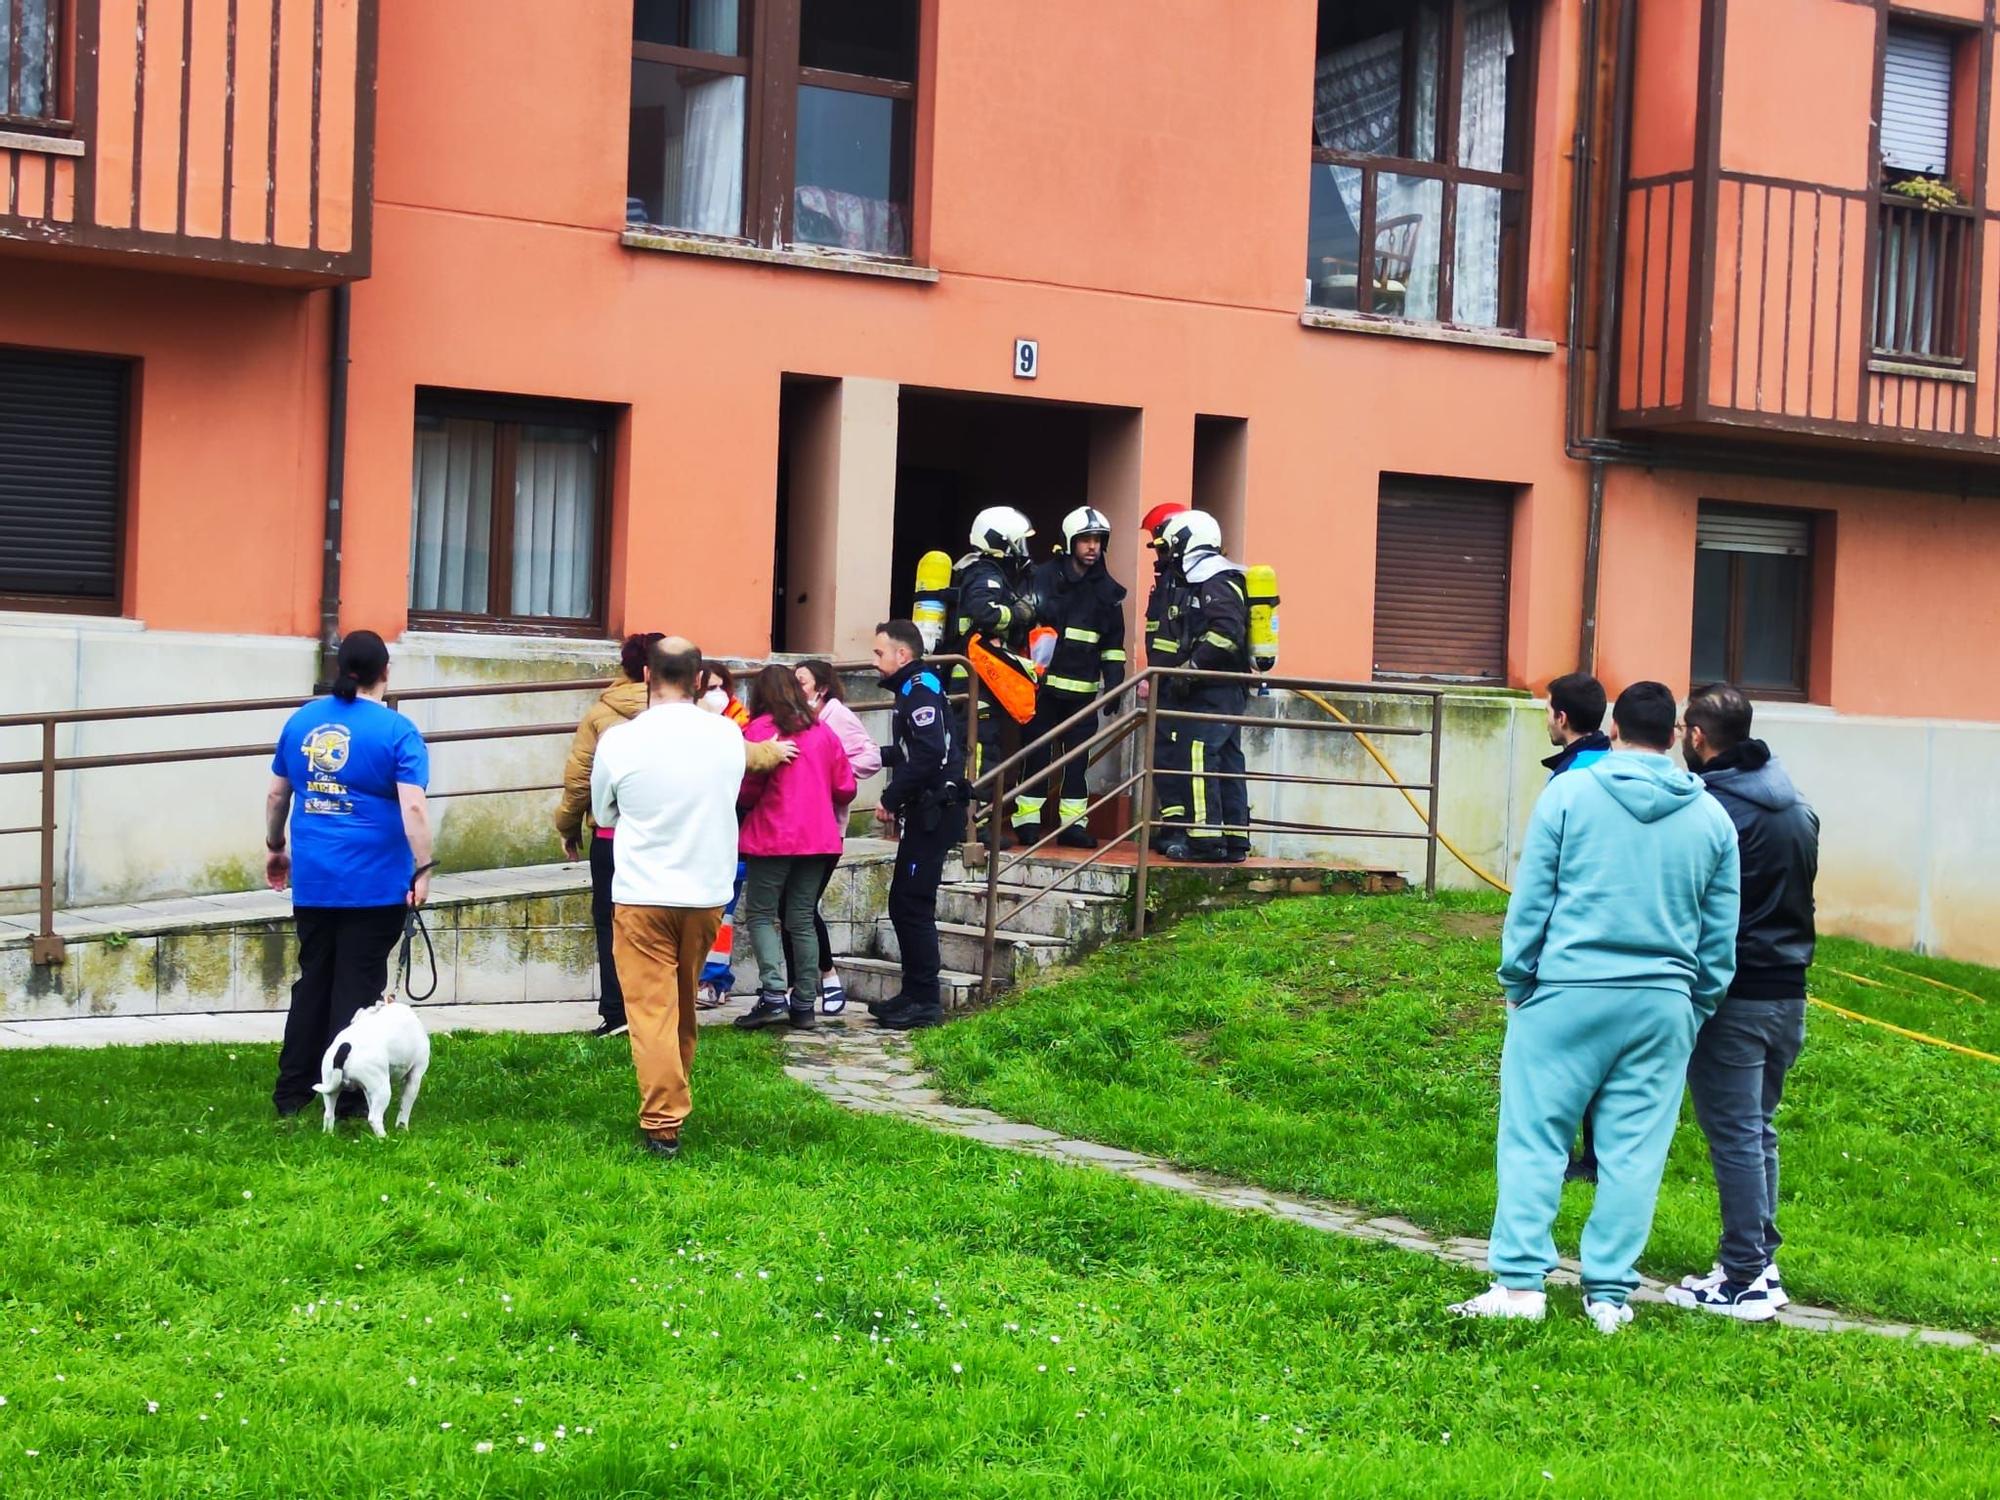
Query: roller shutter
(1782, 533)
(62, 441)
(1916, 100)
(1441, 563)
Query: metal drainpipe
(1595, 449)
(336, 484)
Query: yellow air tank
(933, 598)
(1261, 587)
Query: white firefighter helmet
(1085, 520)
(1190, 532)
(1001, 531)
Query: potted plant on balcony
(1932, 193)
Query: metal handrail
(47, 947)
(991, 786)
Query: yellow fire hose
(1500, 885)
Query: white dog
(384, 1042)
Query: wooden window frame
(1802, 626)
(57, 116)
(83, 604)
(768, 56)
(509, 414)
(1520, 118)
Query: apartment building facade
(1518, 334)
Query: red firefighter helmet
(1157, 518)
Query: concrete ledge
(808, 260)
(48, 145)
(1424, 333)
(1916, 371)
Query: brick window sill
(1423, 333)
(809, 260)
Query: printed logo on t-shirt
(326, 750)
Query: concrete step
(1076, 916)
(879, 978)
(1103, 879)
(1016, 955)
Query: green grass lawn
(1349, 1047)
(196, 1301)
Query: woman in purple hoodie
(794, 826)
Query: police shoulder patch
(924, 717)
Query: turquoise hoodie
(1629, 878)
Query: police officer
(1163, 650)
(925, 802)
(1076, 596)
(989, 584)
(1213, 635)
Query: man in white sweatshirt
(666, 782)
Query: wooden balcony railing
(1923, 261)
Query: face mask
(715, 700)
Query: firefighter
(924, 803)
(989, 584)
(1075, 596)
(1213, 633)
(1163, 650)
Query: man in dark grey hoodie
(1737, 1073)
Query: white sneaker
(1747, 1304)
(1498, 1301)
(1715, 1277)
(1774, 1288)
(1608, 1317)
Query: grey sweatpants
(1737, 1077)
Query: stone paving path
(862, 1068)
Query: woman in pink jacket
(821, 685)
(794, 826)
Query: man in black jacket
(1076, 596)
(1741, 1056)
(924, 804)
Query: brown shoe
(666, 1146)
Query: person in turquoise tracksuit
(1620, 941)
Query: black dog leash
(413, 927)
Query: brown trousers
(660, 951)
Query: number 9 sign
(1027, 359)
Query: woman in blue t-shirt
(350, 773)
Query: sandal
(708, 997)
(832, 998)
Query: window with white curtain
(778, 122)
(1419, 176)
(507, 513)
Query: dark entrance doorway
(957, 454)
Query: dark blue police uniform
(926, 761)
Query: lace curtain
(1482, 143)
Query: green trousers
(1621, 1054)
